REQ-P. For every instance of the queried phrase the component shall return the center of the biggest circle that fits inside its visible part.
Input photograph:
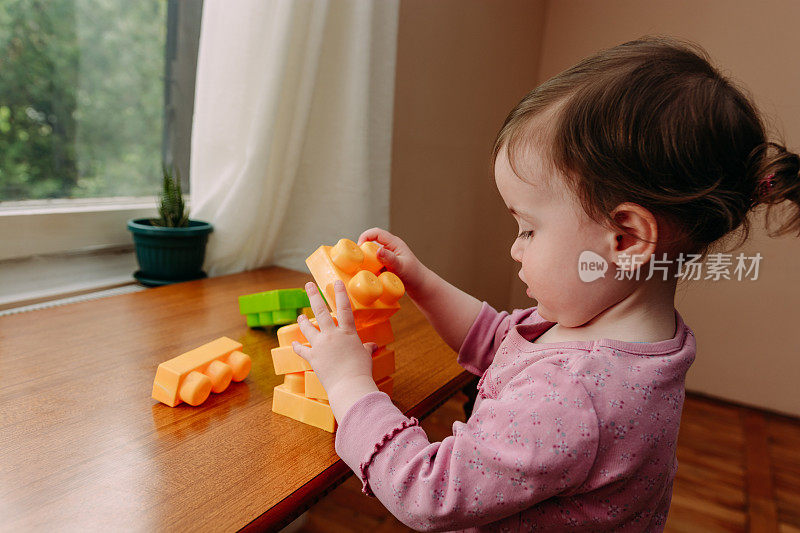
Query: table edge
(288, 509)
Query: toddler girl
(633, 159)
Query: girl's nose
(516, 251)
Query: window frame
(94, 223)
(93, 226)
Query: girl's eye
(525, 234)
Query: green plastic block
(272, 318)
(284, 316)
(277, 317)
(274, 300)
(261, 309)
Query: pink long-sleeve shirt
(570, 435)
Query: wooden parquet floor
(738, 470)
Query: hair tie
(765, 184)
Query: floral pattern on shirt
(561, 436)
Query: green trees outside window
(81, 98)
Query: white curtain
(291, 141)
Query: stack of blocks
(270, 308)
(374, 293)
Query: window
(81, 98)
(94, 96)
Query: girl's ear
(637, 244)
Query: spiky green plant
(171, 209)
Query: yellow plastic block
(295, 382)
(373, 292)
(315, 413)
(192, 376)
(382, 367)
(313, 387)
(285, 360)
(378, 332)
(295, 405)
(308, 312)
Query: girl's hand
(342, 363)
(398, 258)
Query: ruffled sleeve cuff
(368, 426)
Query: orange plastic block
(312, 388)
(382, 364)
(382, 367)
(295, 382)
(285, 360)
(315, 413)
(192, 376)
(378, 332)
(294, 405)
(386, 385)
(374, 291)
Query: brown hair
(652, 122)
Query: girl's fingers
(369, 235)
(307, 329)
(386, 256)
(380, 236)
(392, 250)
(318, 306)
(344, 310)
(371, 347)
(302, 351)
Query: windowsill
(49, 227)
(80, 205)
(42, 278)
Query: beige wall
(462, 65)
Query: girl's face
(553, 231)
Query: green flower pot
(169, 255)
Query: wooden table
(83, 446)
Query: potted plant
(170, 248)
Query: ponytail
(777, 179)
